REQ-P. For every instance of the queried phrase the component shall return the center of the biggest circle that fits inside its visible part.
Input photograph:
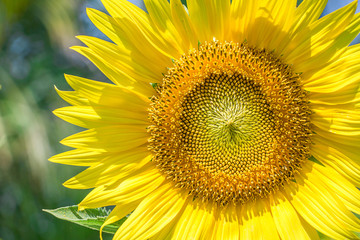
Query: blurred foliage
(34, 40)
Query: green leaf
(90, 218)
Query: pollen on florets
(230, 123)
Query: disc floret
(230, 123)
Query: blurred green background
(35, 36)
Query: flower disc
(230, 123)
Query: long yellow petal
(106, 94)
(160, 13)
(111, 170)
(257, 221)
(347, 95)
(72, 97)
(334, 158)
(243, 15)
(346, 191)
(153, 214)
(306, 13)
(195, 222)
(79, 157)
(108, 139)
(116, 75)
(287, 221)
(318, 38)
(88, 117)
(109, 27)
(124, 37)
(227, 225)
(339, 74)
(210, 19)
(137, 27)
(130, 190)
(320, 206)
(338, 121)
(347, 139)
(124, 60)
(118, 213)
(271, 25)
(183, 24)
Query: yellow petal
(88, 117)
(272, 23)
(108, 94)
(108, 139)
(72, 97)
(320, 206)
(79, 157)
(347, 95)
(342, 158)
(227, 225)
(348, 150)
(346, 191)
(338, 121)
(111, 170)
(117, 214)
(306, 13)
(132, 189)
(243, 15)
(116, 75)
(195, 222)
(351, 139)
(126, 36)
(138, 28)
(153, 214)
(167, 233)
(109, 27)
(127, 62)
(183, 24)
(339, 74)
(160, 13)
(257, 221)
(287, 221)
(210, 19)
(317, 39)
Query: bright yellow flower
(251, 132)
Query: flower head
(225, 120)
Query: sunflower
(224, 120)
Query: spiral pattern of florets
(231, 123)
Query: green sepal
(90, 218)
